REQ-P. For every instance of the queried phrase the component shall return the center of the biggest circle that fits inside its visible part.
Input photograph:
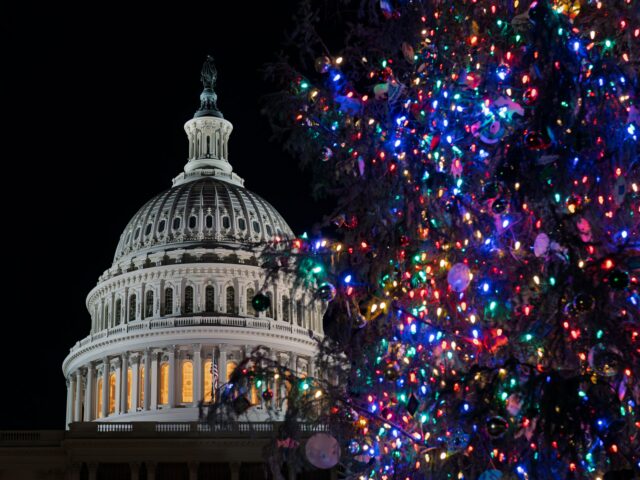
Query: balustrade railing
(171, 322)
(169, 429)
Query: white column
(88, 394)
(293, 362)
(172, 376)
(116, 400)
(124, 383)
(222, 365)
(147, 379)
(78, 406)
(197, 374)
(105, 387)
(135, 381)
(71, 384)
(153, 382)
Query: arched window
(299, 312)
(208, 221)
(141, 387)
(99, 395)
(269, 231)
(286, 309)
(106, 316)
(231, 366)
(187, 382)
(132, 307)
(164, 384)
(188, 300)
(176, 223)
(112, 393)
(256, 226)
(208, 300)
(168, 301)
(231, 300)
(242, 225)
(250, 309)
(129, 381)
(193, 221)
(161, 225)
(269, 311)
(136, 234)
(118, 311)
(208, 380)
(208, 145)
(147, 230)
(226, 223)
(148, 304)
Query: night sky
(95, 114)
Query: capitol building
(170, 318)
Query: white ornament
(459, 277)
(323, 451)
(541, 245)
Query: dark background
(93, 113)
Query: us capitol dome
(175, 306)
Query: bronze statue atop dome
(209, 73)
(208, 97)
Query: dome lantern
(208, 134)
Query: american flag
(214, 383)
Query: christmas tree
(481, 267)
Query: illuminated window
(99, 395)
(164, 384)
(148, 304)
(231, 300)
(187, 382)
(132, 307)
(286, 309)
(208, 301)
(208, 380)
(112, 393)
(255, 399)
(129, 380)
(168, 301)
(231, 366)
(118, 311)
(188, 300)
(250, 309)
(141, 387)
